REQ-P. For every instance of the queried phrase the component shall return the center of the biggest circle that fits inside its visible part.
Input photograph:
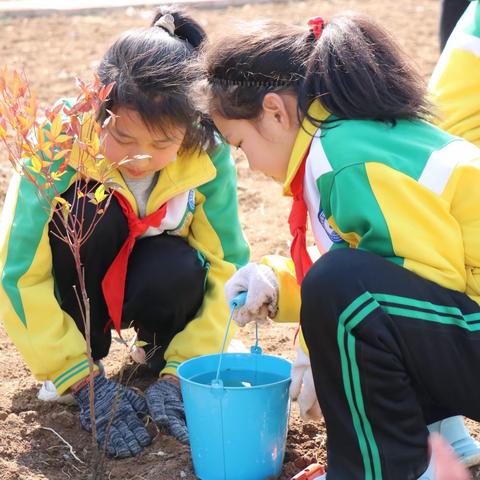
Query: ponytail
(358, 71)
(351, 65)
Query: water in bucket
(239, 378)
(238, 424)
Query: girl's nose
(140, 162)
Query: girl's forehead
(232, 129)
(126, 117)
(225, 125)
(131, 123)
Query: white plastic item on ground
(48, 393)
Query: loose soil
(52, 51)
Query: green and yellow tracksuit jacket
(202, 207)
(409, 193)
(455, 82)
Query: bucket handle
(236, 302)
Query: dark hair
(355, 69)
(152, 74)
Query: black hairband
(282, 82)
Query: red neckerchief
(113, 283)
(297, 221)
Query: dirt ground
(52, 51)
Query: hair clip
(316, 26)
(167, 22)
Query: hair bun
(179, 25)
(167, 22)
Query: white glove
(302, 388)
(261, 285)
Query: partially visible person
(157, 259)
(455, 82)
(446, 465)
(455, 89)
(451, 11)
(390, 313)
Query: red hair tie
(316, 26)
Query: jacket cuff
(171, 367)
(301, 342)
(288, 289)
(73, 371)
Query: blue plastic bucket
(238, 428)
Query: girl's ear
(276, 107)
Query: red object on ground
(315, 470)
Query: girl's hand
(165, 404)
(261, 285)
(120, 406)
(446, 464)
(302, 389)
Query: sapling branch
(43, 147)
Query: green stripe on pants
(363, 429)
(350, 318)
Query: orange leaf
(63, 166)
(105, 91)
(52, 113)
(24, 122)
(59, 155)
(45, 148)
(60, 200)
(57, 175)
(36, 165)
(100, 194)
(56, 126)
(49, 135)
(63, 138)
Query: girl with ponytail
(389, 312)
(158, 258)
